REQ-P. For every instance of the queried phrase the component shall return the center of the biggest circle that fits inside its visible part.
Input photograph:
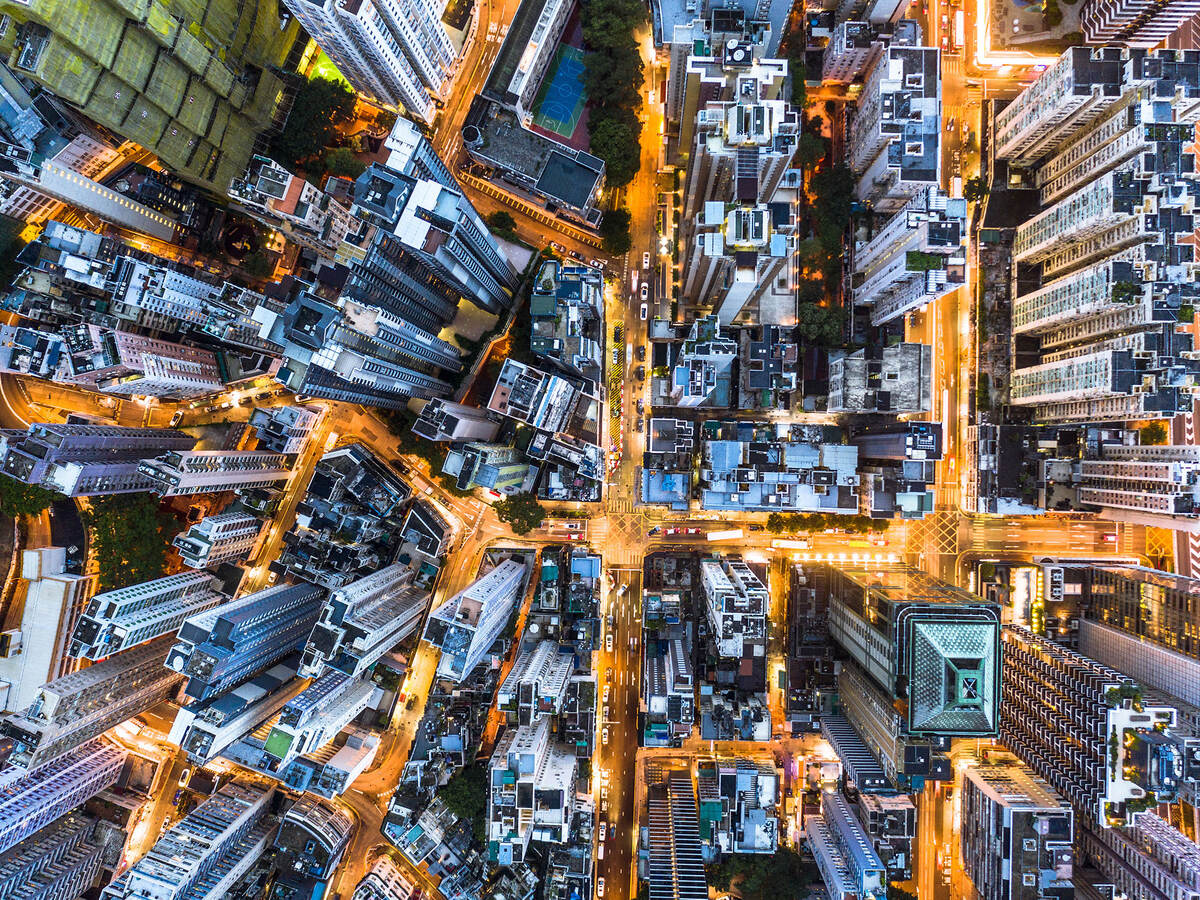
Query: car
(607, 691)
(600, 852)
(183, 777)
(608, 642)
(1110, 537)
(572, 526)
(646, 261)
(950, 121)
(604, 737)
(177, 418)
(671, 531)
(608, 676)
(554, 245)
(611, 620)
(178, 794)
(653, 531)
(641, 352)
(272, 577)
(599, 887)
(756, 528)
(596, 263)
(878, 540)
(605, 717)
(641, 426)
(616, 356)
(692, 531)
(644, 312)
(645, 292)
(641, 407)
(603, 831)
(263, 395)
(618, 330)
(641, 373)
(577, 536)
(400, 466)
(575, 254)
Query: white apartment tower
(1134, 23)
(225, 537)
(737, 603)
(213, 471)
(397, 52)
(123, 618)
(467, 624)
(537, 683)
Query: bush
(320, 106)
(1153, 434)
(129, 538)
(20, 499)
(501, 220)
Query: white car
(603, 831)
(606, 716)
(607, 691)
(646, 261)
(608, 642)
(645, 290)
(604, 737)
(599, 887)
(645, 311)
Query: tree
(810, 149)
(465, 795)
(617, 143)
(500, 220)
(783, 875)
(899, 893)
(321, 105)
(799, 76)
(975, 189)
(342, 161)
(20, 499)
(259, 264)
(614, 231)
(129, 538)
(820, 324)
(1154, 433)
(521, 511)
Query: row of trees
(790, 523)
(613, 79)
(20, 499)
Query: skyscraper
(82, 705)
(224, 537)
(34, 800)
(193, 85)
(212, 471)
(398, 54)
(363, 620)
(445, 420)
(123, 618)
(125, 364)
(1141, 23)
(62, 860)
(231, 643)
(86, 460)
(467, 624)
(284, 429)
(497, 467)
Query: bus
(731, 534)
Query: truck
(731, 534)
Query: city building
(918, 256)
(1017, 834)
(769, 362)
(737, 602)
(33, 800)
(701, 371)
(1146, 23)
(208, 851)
(674, 862)
(895, 141)
(184, 472)
(668, 682)
(890, 821)
(526, 53)
(541, 399)
(126, 365)
(86, 460)
(313, 837)
(74, 708)
(1088, 730)
(922, 641)
(760, 467)
(1154, 485)
(62, 860)
(363, 620)
(428, 533)
(357, 353)
(567, 312)
(445, 420)
(895, 380)
(126, 617)
(852, 50)
(225, 537)
(465, 626)
(229, 644)
(302, 212)
(495, 467)
(224, 68)
(536, 685)
(531, 792)
(737, 800)
(284, 429)
(1148, 860)
(385, 881)
(845, 856)
(27, 351)
(859, 762)
(38, 650)
(898, 468)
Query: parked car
(646, 261)
(575, 254)
(607, 691)
(600, 881)
(641, 352)
(596, 263)
(177, 418)
(645, 311)
(641, 407)
(557, 247)
(645, 291)
(641, 373)
(608, 643)
(604, 737)
(756, 528)
(603, 831)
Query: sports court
(560, 100)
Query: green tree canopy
(616, 141)
(810, 149)
(614, 231)
(465, 794)
(782, 875)
(501, 220)
(799, 76)
(20, 499)
(321, 105)
(1154, 433)
(613, 78)
(520, 511)
(820, 324)
(975, 189)
(129, 538)
(342, 161)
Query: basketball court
(560, 100)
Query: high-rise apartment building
(61, 861)
(193, 85)
(77, 707)
(1149, 860)
(531, 792)
(843, 851)
(363, 620)
(398, 54)
(896, 379)
(1157, 485)
(704, 364)
(32, 801)
(467, 624)
(919, 256)
(385, 881)
(1017, 834)
(737, 603)
(224, 537)
(536, 685)
(314, 835)
(895, 137)
(497, 467)
(1140, 23)
(284, 429)
(445, 420)
(1089, 730)
(119, 619)
(212, 471)
(922, 641)
(224, 646)
(86, 460)
(207, 852)
(127, 364)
